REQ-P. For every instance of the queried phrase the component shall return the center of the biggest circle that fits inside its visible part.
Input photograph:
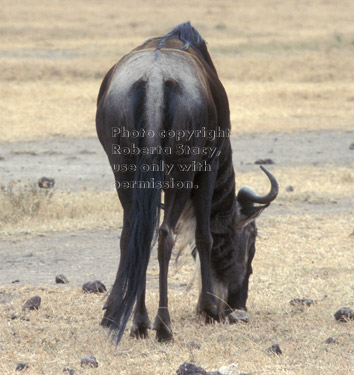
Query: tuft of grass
(19, 203)
(27, 208)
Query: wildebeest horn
(246, 196)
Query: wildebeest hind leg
(141, 322)
(174, 204)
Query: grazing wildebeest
(163, 120)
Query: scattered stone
(228, 370)
(344, 314)
(46, 183)
(89, 361)
(275, 349)
(191, 345)
(14, 316)
(264, 161)
(61, 279)
(188, 368)
(69, 370)
(238, 316)
(21, 366)
(94, 287)
(15, 281)
(301, 301)
(331, 340)
(289, 189)
(351, 147)
(32, 304)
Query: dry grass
(291, 261)
(33, 210)
(26, 208)
(285, 66)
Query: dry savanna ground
(287, 67)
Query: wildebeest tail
(143, 217)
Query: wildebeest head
(231, 260)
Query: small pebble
(32, 304)
(188, 368)
(61, 279)
(331, 340)
(275, 349)
(264, 161)
(89, 361)
(14, 316)
(344, 314)
(94, 287)
(21, 366)
(228, 370)
(290, 189)
(301, 301)
(46, 183)
(69, 370)
(351, 147)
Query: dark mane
(187, 34)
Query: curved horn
(246, 196)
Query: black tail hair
(143, 222)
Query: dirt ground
(81, 163)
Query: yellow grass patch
(29, 209)
(285, 66)
(297, 256)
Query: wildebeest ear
(248, 214)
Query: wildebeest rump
(160, 89)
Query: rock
(89, 361)
(32, 304)
(61, 279)
(191, 345)
(46, 183)
(14, 316)
(228, 370)
(188, 368)
(264, 161)
(289, 189)
(351, 147)
(344, 314)
(301, 301)
(21, 366)
(275, 349)
(94, 287)
(15, 281)
(331, 340)
(68, 370)
(238, 316)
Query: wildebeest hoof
(238, 316)
(211, 314)
(163, 332)
(140, 331)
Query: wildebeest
(163, 120)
